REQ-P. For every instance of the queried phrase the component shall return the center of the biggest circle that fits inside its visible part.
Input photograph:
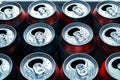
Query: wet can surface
(8, 39)
(6, 67)
(110, 69)
(39, 66)
(79, 67)
(108, 40)
(75, 11)
(44, 12)
(106, 12)
(40, 37)
(11, 13)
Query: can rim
(37, 2)
(12, 29)
(100, 3)
(83, 2)
(37, 25)
(12, 3)
(105, 27)
(37, 54)
(78, 23)
(108, 59)
(78, 55)
(9, 60)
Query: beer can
(44, 12)
(79, 67)
(8, 39)
(40, 37)
(106, 12)
(110, 69)
(39, 66)
(6, 67)
(108, 40)
(75, 11)
(11, 13)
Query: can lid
(6, 66)
(7, 35)
(37, 66)
(41, 9)
(9, 10)
(109, 9)
(77, 33)
(76, 9)
(110, 34)
(80, 67)
(39, 34)
(113, 65)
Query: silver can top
(37, 66)
(39, 34)
(113, 65)
(6, 66)
(77, 33)
(9, 10)
(109, 9)
(80, 67)
(7, 35)
(76, 9)
(110, 34)
(41, 9)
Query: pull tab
(81, 69)
(8, 12)
(42, 10)
(39, 69)
(40, 37)
(78, 36)
(109, 9)
(78, 10)
(118, 66)
(3, 67)
(115, 36)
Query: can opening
(6, 7)
(75, 63)
(116, 64)
(38, 30)
(3, 32)
(39, 6)
(108, 33)
(105, 7)
(35, 61)
(72, 31)
(70, 8)
(0, 62)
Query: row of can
(41, 66)
(73, 11)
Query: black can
(40, 37)
(39, 66)
(76, 11)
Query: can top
(76, 9)
(109, 9)
(113, 65)
(37, 66)
(7, 35)
(110, 34)
(9, 10)
(80, 67)
(41, 9)
(77, 33)
(39, 34)
(6, 66)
